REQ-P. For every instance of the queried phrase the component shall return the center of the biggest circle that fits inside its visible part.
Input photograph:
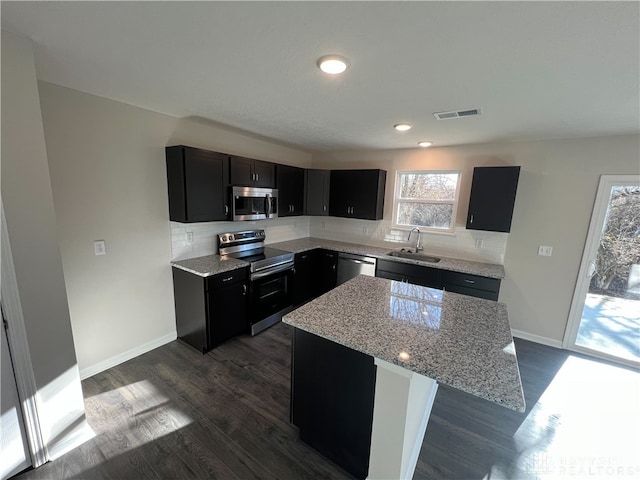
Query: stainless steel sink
(414, 256)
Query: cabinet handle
(324, 208)
(471, 220)
(469, 281)
(227, 279)
(333, 267)
(257, 177)
(226, 209)
(244, 289)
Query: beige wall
(557, 188)
(108, 178)
(31, 228)
(109, 182)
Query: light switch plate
(99, 247)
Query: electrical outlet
(189, 238)
(479, 243)
(544, 250)
(365, 230)
(99, 247)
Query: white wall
(557, 188)
(31, 228)
(109, 182)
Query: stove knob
(224, 238)
(231, 238)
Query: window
(426, 198)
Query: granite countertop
(454, 264)
(209, 265)
(460, 341)
(214, 264)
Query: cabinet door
(328, 278)
(191, 309)
(198, 184)
(265, 174)
(341, 194)
(290, 183)
(357, 194)
(493, 194)
(306, 267)
(332, 397)
(472, 285)
(317, 184)
(368, 194)
(241, 170)
(227, 312)
(416, 274)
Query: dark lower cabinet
(306, 270)
(406, 272)
(197, 183)
(472, 285)
(332, 397)
(492, 198)
(210, 310)
(464, 283)
(327, 277)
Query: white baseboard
(536, 338)
(128, 355)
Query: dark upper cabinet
(249, 172)
(197, 183)
(493, 194)
(290, 184)
(317, 183)
(357, 194)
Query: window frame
(397, 200)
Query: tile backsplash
(466, 244)
(204, 239)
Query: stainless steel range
(271, 276)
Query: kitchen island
(367, 360)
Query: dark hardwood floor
(173, 413)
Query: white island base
(401, 410)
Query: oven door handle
(271, 271)
(267, 205)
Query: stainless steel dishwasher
(350, 266)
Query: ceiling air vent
(457, 114)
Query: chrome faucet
(418, 246)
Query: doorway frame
(589, 254)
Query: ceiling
(538, 70)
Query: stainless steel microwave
(251, 203)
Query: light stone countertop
(209, 265)
(454, 264)
(214, 264)
(460, 341)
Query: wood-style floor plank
(174, 413)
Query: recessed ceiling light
(402, 127)
(333, 64)
(425, 144)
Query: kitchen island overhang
(417, 337)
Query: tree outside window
(426, 199)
